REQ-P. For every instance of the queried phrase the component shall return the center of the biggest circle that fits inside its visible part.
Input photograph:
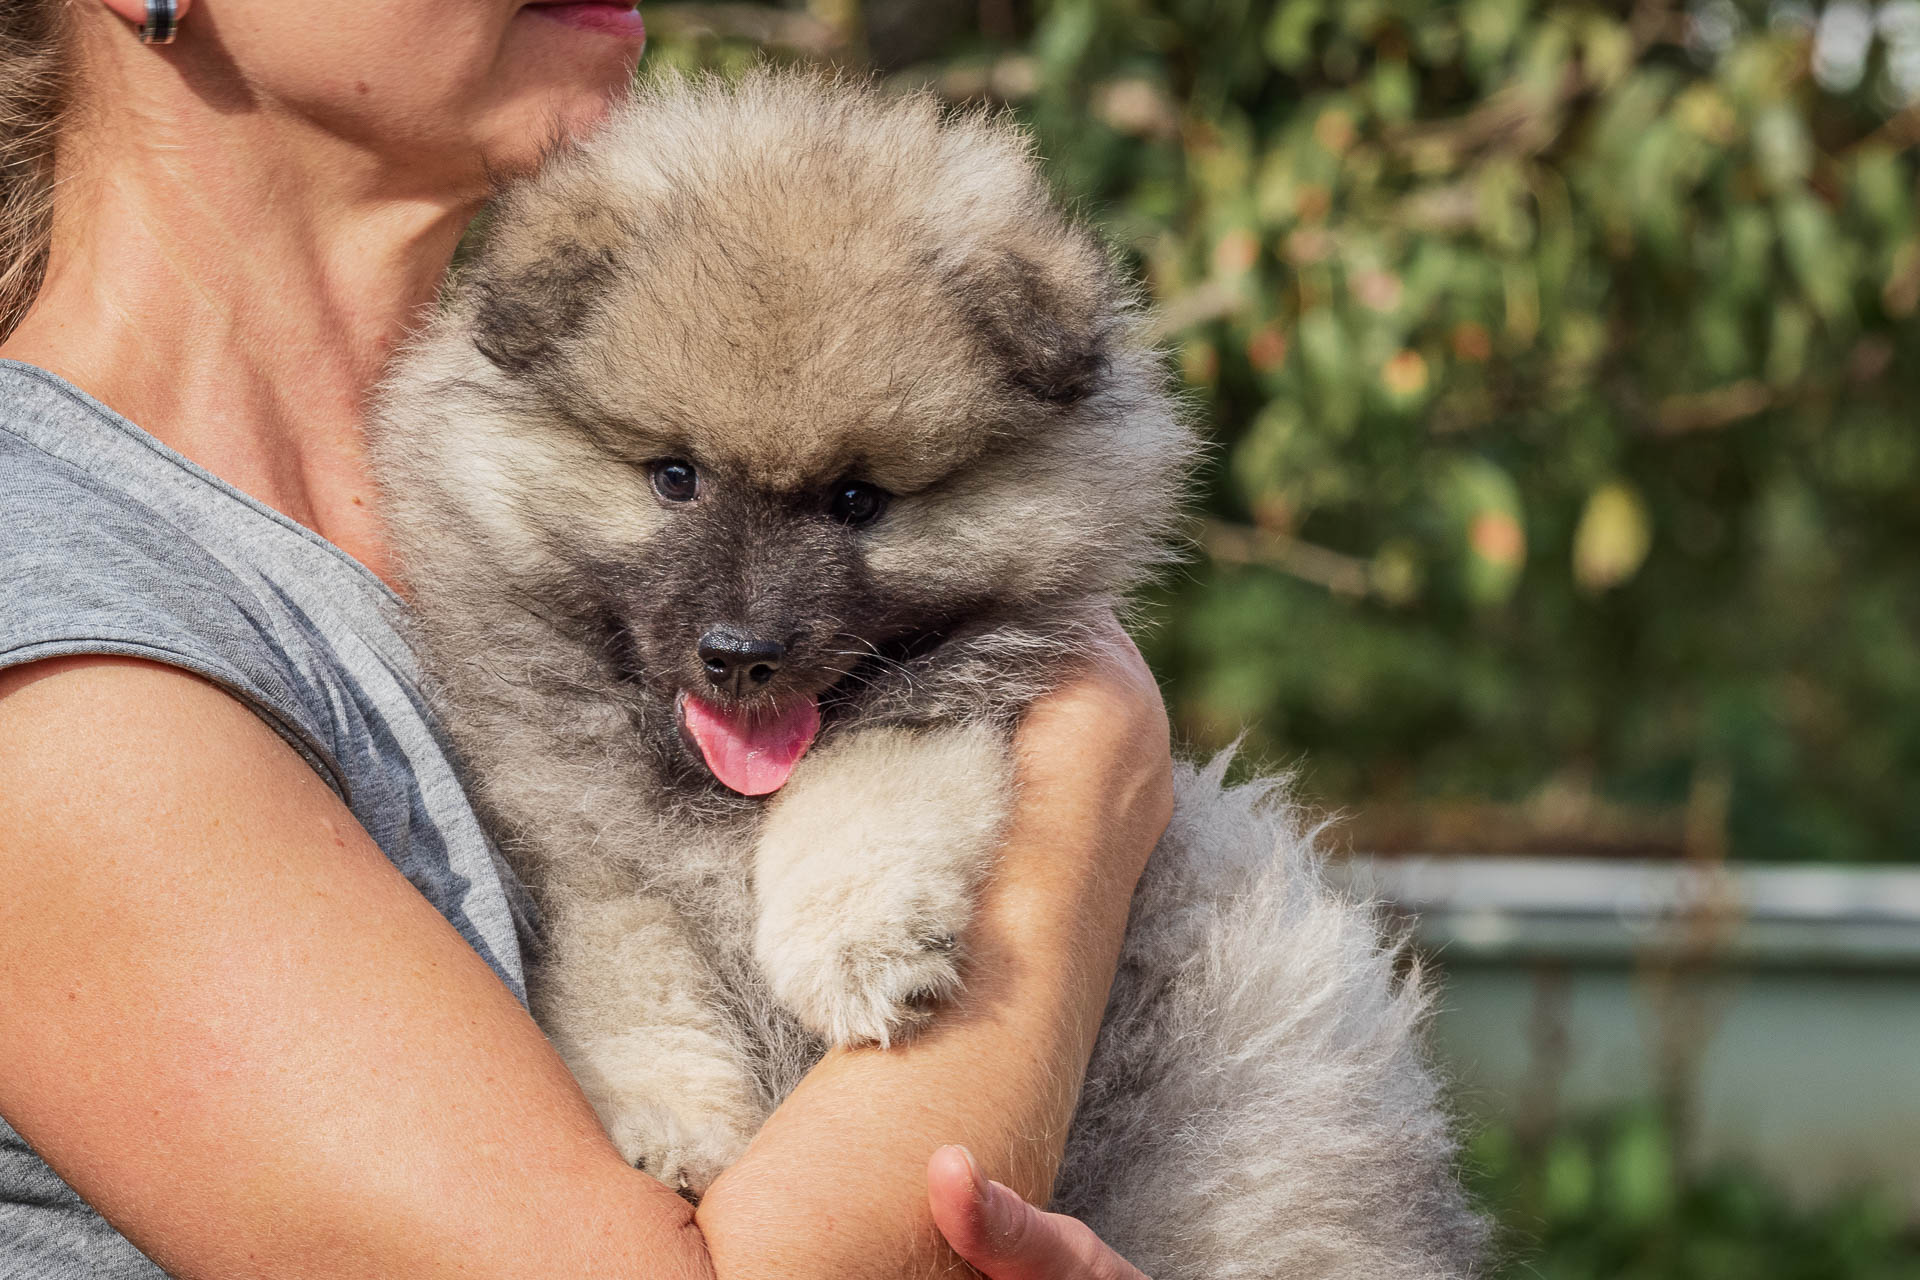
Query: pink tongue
(752, 755)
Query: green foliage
(1561, 356)
(1609, 1201)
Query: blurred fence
(1773, 1014)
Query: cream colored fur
(866, 872)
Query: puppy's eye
(856, 504)
(675, 481)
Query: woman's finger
(1003, 1237)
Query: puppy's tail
(1259, 1104)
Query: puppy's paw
(871, 983)
(684, 1153)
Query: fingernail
(1000, 1208)
(974, 1172)
(995, 1201)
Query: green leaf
(1064, 36)
(1817, 254)
(1289, 34)
(1782, 148)
(1640, 1174)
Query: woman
(258, 969)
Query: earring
(161, 22)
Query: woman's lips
(621, 20)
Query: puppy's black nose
(738, 662)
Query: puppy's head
(764, 383)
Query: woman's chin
(565, 88)
(523, 140)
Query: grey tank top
(111, 543)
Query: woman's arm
(842, 1164)
(236, 1030)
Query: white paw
(685, 1155)
(869, 983)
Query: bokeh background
(1561, 533)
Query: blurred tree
(1562, 359)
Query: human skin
(224, 1017)
(1004, 1237)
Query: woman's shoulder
(88, 568)
(79, 556)
(113, 543)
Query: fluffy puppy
(782, 443)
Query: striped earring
(161, 23)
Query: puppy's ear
(523, 315)
(1046, 312)
(549, 251)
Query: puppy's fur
(792, 287)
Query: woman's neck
(239, 310)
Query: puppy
(780, 445)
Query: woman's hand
(1003, 1237)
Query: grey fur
(792, 285)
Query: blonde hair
(33, 82)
